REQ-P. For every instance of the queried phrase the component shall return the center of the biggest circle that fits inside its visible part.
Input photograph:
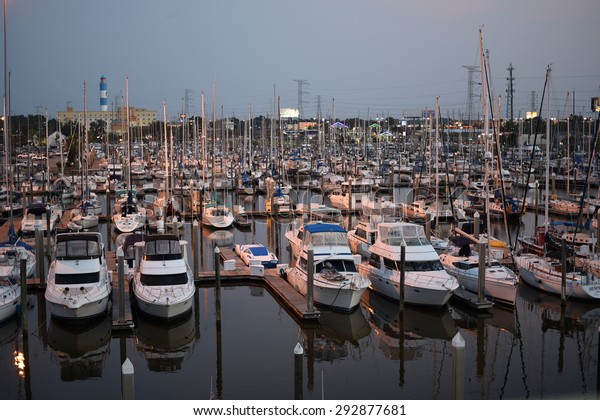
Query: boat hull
(169, 306)
(388, 284)
(344, 299)
(9, 300)
(550, 281)
(66, 310)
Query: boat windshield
(78, 249)
(405, 234)
(259, 251)
(327, 238)
(431, 265)
(347, 266)
(162, 249)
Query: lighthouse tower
(103, 94)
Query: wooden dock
(292, 300)
(471, 299)
(122, 318)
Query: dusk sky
(376, 58)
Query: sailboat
(214, 213)
(82, 217)
(129, 217)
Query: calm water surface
(536, 350)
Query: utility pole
(510, 90)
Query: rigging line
(587, 177)
(495, 131)
(537, 129)
(521, 352)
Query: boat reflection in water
(8, 330)
(549, 306)
(80, 347)
(420, 324)
(165, 344)
(335, 335)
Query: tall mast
(547, 220)
(166, 160)
(127, 145)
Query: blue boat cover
(323, 227)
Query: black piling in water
(121, 277)
(39, 255)
(24, 321)
(310, 271)
(218, 283)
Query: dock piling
(121, 277)
(23, 267)
(298, 355)
(310, 271)
(39, 255)
(458, 367)
(218, 283)
(127, 379)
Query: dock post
(218, 283)
(597, 232)
(553, 185)
(458, 367)
(310, 271)
(481, 272)
(563, 283)
(121, 277)
(350, 200)
(48, 232)
(428, 226)
(23, 267)
(476, 225)
(39, 255)
(127, 382)
(536, 202)
(108, 216)
(402, 264)
(195, 246)
(298, 355)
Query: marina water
(536, 350)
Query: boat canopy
(323, 227)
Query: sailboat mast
(437, 122)
(166, 160)
(128, 144)
(84, 180)
(47, 157)
(547, 220)
(203, 142)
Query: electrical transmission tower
(510, 90)
(318, 106)
(470, 93)
(301, 92)
(532, 101)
